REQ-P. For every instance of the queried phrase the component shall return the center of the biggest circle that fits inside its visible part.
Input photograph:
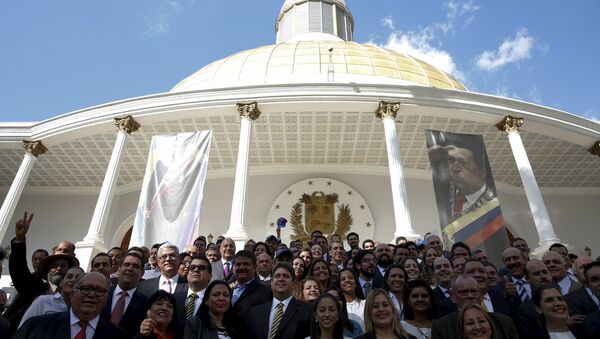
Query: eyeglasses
(467, 291)
(198, 268)
(594, 279)
(86, 290)
(167, 257)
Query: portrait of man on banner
(468, 206)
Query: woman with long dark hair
(419, 309)
(351, 328)
(299, 267)
(327, 321)
(215, 318)
(320, 271)
(354, 305)
(551, 304)
(412, 268)
(394, 280)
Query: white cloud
(425, 44)
(592, 115)
(510, 51)
(157, 25)
(388, 22)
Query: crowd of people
(324, 288)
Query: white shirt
(488, 302)
(561, 335)
(417, 332)
(356, 312)
(470, 199)
(89, 330)
(565, 285)
(397, 304)
(162, 283)
(45, 304)
(276, 302)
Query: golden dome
(310, 62)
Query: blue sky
(61, 56)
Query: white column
(237, 230)
(93, 242)
(387, 113)
(510, 125)
(33, 149)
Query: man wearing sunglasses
(82, 320)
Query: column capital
(127, 124)
(387, 109)
(249, 110)
(510, 124)
(35, 148)
(595, 149)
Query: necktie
(367, 288)
(226, 269)
(484, 306)
(236, 294)
(81, 334)
(168, 287)
(119, 309)
(459, 200)
(276, 320)
(189, 307)
(447, 293)
(522, 290)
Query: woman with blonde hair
(381, 319)
(474, 322)
(307, 290)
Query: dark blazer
(528, 320)
(295, 323)
(447, 327)
(148, 287)
(134, 314)
(198, 328)
(29, 285)
(515, 300)
(438, 294)
(500, 304)
(57, 325)
(255, 294)
(580, 302)
(590, 327)
(371, 335)
(377, 283)
(5, 331)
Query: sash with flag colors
(468, 207)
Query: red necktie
(459, 200)
(119, 309)
(81, 334)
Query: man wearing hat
(283, 255)
(48, 276)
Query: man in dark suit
(384, 255)
(168, 264)
(442, 270)
(493, 299)
(513, 284)
(88, 299)
(284, 317)
(364, 266)
(556, 265)
(125, 304)
(465, 289)
(248, 290)
(188, 302)
(528, 319)
(31, 285)
(585, 301)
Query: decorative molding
(127, 124)
(510, 124)
(595, 149)
(387, 110)
(249, 110)
(35, 148)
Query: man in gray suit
(465, 290)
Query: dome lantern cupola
(314, 20)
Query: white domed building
(316, 129)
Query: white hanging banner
(172, 191)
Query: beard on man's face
(56, 278)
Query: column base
(85, 250)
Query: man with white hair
(168, 264)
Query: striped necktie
(189, 307)
(522, 290)
(276, 320)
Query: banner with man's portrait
(465, 192)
